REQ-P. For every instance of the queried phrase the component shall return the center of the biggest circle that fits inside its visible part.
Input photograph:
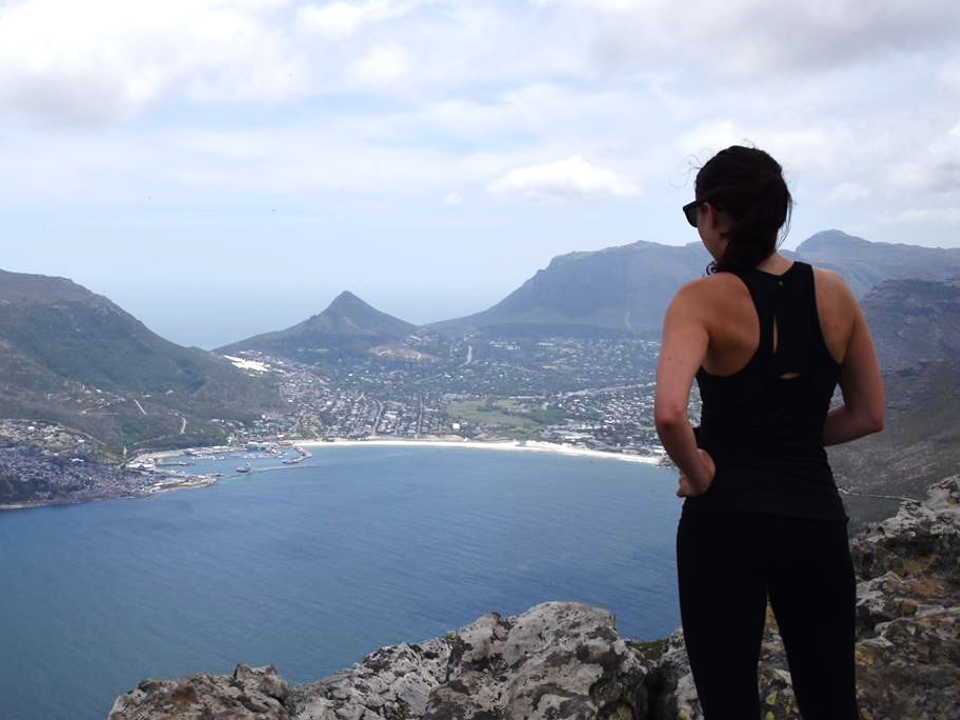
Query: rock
(908, 610)
(393, 683)
(249, 693)
(557, 660)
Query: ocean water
(313, 566)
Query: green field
(489, 413)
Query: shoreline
(190, 482)
(502, 445)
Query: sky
(221, 168)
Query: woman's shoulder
(710, 298)
(832, 288)
(711, 285)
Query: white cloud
(453, 199)
(341, 19)
(847, 193)
(949, 75)
(560, 182)
(384, 68)
(104, 60)
(758, 38)
(945, 215)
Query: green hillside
(73, 357)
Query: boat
(245, 469)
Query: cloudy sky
(226, 167)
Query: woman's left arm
(682, 351)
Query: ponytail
(746, 184)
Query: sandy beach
(508, 445)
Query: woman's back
(763, 416)
(730, 316)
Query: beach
(505, 445)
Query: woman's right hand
(688, 488)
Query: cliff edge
(567, 661)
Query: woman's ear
(712, 215)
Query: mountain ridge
(76, 358)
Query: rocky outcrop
(248, 693)
(908, 652)
(566, 660)
(557, 660)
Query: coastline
(189, 482)
(503, 445)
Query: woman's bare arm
(683, 348)
(861, 383)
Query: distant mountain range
(865, 264)
(73, 357)
(621, 290)
(627, 289)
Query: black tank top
(763, 425)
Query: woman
(767, 339)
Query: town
(593, 394)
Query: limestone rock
(908, 656)
(393, 683)
(557, 660)
(249, 693)
(922, 538)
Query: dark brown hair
(746, 184)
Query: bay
(313, 566)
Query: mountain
(620, 290)
(916, 328)
(865, 264)
(70, 356)
(626, 289)
(914, 320)
(348, 326)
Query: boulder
(557, 660)
(250, 693)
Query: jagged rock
(557, 660)
(908, 658)
(565, 661)
(249, 693)
(921, 538)
(392, 683)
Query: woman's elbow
(870, 422)
(668, 419)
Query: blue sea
(312, 566)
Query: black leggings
(727, 567)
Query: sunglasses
(690, 211)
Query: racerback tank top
(763, 425)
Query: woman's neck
(775, 264)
